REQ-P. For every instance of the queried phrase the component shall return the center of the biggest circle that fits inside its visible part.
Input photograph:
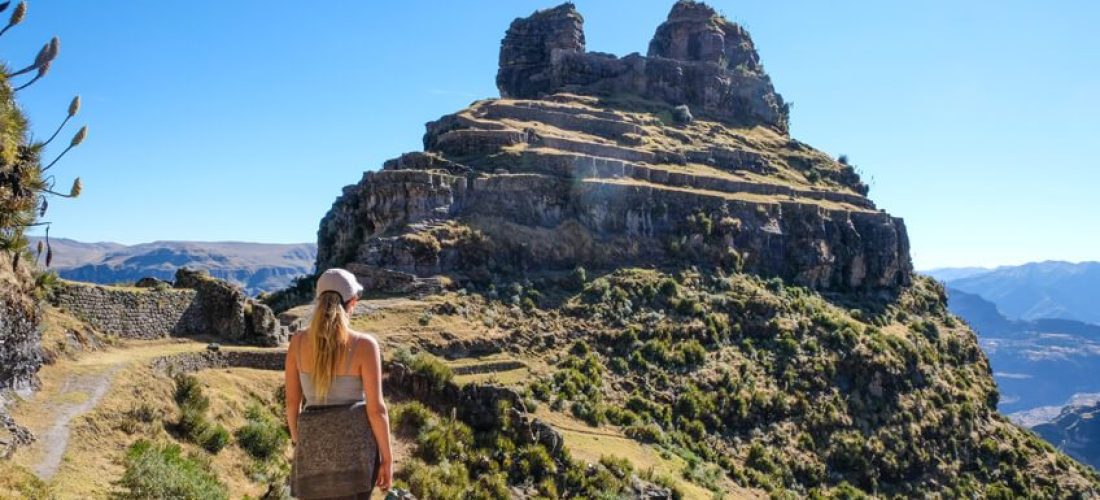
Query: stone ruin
(678, 158)
(197, 304)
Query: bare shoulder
(296, 338)
(367, 341)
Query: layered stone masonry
(197, 305)
(131, 313)
(190, 362)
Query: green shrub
(445, 480)
(692, 353)
(447, 440)
(647, 433)
(192, 423)
(620, 467)
(437, 372)
(262, 436)
(154, 471)
(489, 487)
(578, 277)
(214, 439)
(189, 393)
(533, 461)
(410, 419)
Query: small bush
(447, 440)
(262, 436)
(533, 461)
(189, 392)
(490, 487)
(163, 472)
(447, 480)
(214, 439)
(410, 419)
(437, 373)
(620, 467)
(648, 433)
(192, 423)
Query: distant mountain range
(258, 267)
(1039, 290)
(1076, 431)
(1037, 364)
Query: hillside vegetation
(779, 388)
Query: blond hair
(329, 336)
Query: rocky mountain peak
(697, 58)
(676, 159)
(695, 32)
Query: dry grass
(409, 322)
(99, 438)
(588, 444)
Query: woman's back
(346, 386)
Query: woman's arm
(376, 410)
(293, 389)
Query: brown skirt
(336, 455)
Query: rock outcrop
(223, 308)
(697, 58)
(20, 350)
(20, 315)
(678, 158)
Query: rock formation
(696, 58)
(20, 353)
(677, 158)
(224, 309)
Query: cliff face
(678, 158)
(19, 334)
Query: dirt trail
(72, 388)
(90, 388)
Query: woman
(341, 434)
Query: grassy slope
(791, 392)
(98, 439)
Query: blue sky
(975, 121)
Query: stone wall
(197, 305)
(196, 361)
(130, 312)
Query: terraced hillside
(636, 243)
(605, 174)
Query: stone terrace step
(565, 120)
(585, 167)
(602, 150)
